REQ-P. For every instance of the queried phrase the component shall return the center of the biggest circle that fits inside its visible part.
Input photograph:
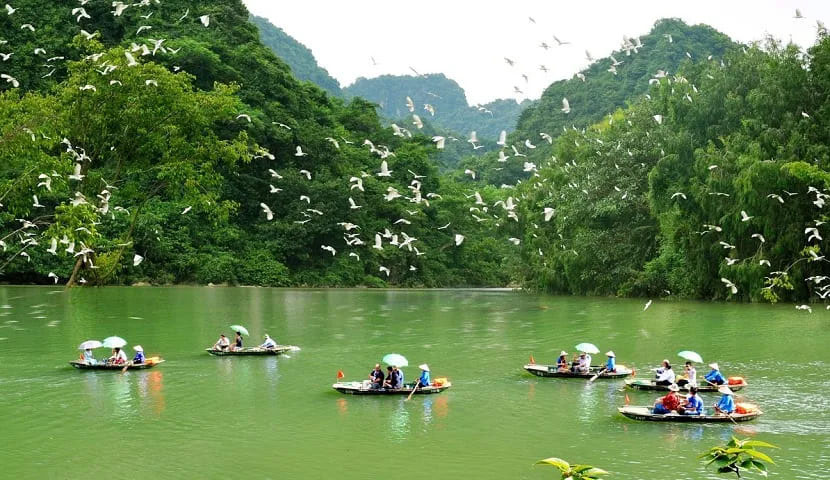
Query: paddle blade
(532, 361)
(340, 374)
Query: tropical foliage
(573, 472)
(739, 456)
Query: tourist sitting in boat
(689, 378)
(611, 364)
(392, 381)
(118, 357)
(222, 344)
(726, 404)
(238, 344)
(693, 404)
(398, 376)
(582, 363)
(87, 357)
(423, 380)
(715, 377)
(665, 375)
(139, 354)
(376, 377)
(562, 361)
(269, 342)
(669, 403)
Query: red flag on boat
(627, 400)
(532, 361)
(340, 374)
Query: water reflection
(151, 390)
(399, 423)
(342, 406)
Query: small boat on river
(552, 371)
(646, 414)
(150, 363)
(278, 350)
(365, 388)
(645, 384)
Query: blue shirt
(694, 406)
(424, 380)
(726, 404)
(139, 357)
(715, 377)
(611, 364)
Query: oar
(417, 384)
(124, 370)
(591, 380)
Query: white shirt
(121, 356)
(666, 374)
(269, 343)
(692, 373)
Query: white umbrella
(114, 342)
(90, 344)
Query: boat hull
(645, 414)
(279, 350)
(360, 388)
(650, 385)
(103, 366)
(552, 371)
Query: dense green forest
(301, 60)
(451, 113)
(714, 186)
(165, 143)
(595, 92)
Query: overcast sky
(468, 40)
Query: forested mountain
(296, 55)
(596, 92)
(714, 186)
(162, 142)
(451, 110)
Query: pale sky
(468, 40)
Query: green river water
(197, 416)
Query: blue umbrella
(587, 348)
(396, 360)
(113, 342)
(690, 356)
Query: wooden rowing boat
(643, 384)
(363, 388)
(278, 350)
(552, 371)
(646, 414)
(104, 366)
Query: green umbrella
(240, 329)
(395, 359)
(690, 356)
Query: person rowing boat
(714, 377)
(269, 342)
(726, 404)
(562, 361)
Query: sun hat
(725, 390)
(563, 352)
(610, 353)
(138, 348)
(714, 365)
(674, 388)
(424, 367)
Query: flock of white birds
(394, 235)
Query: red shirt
(670, 401)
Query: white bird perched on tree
(358, 183)
(47, 181)
(305, 198)
(678, 194)
(384, 270)
(459, 239)
(299, 152)
(352, 254)
(759, 237)
(52, 275)
(137, 259)
(353, 205)
(745, 217)
(378, 242)
(658, 119)
(36, 203)
(268, 213)
(384, 170)
(439, 142)
(546, 137)
(566, 106)
(306, 173)
(205, 19)
(729, 285)
(88, 87)
(76, 174)
(152, 82)
(470, 173)
(549, 213)
(764, 262)
(53, 247)
(329, 249)
(245, 116)
(529, 145)
(28, 26)
(514, 240)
